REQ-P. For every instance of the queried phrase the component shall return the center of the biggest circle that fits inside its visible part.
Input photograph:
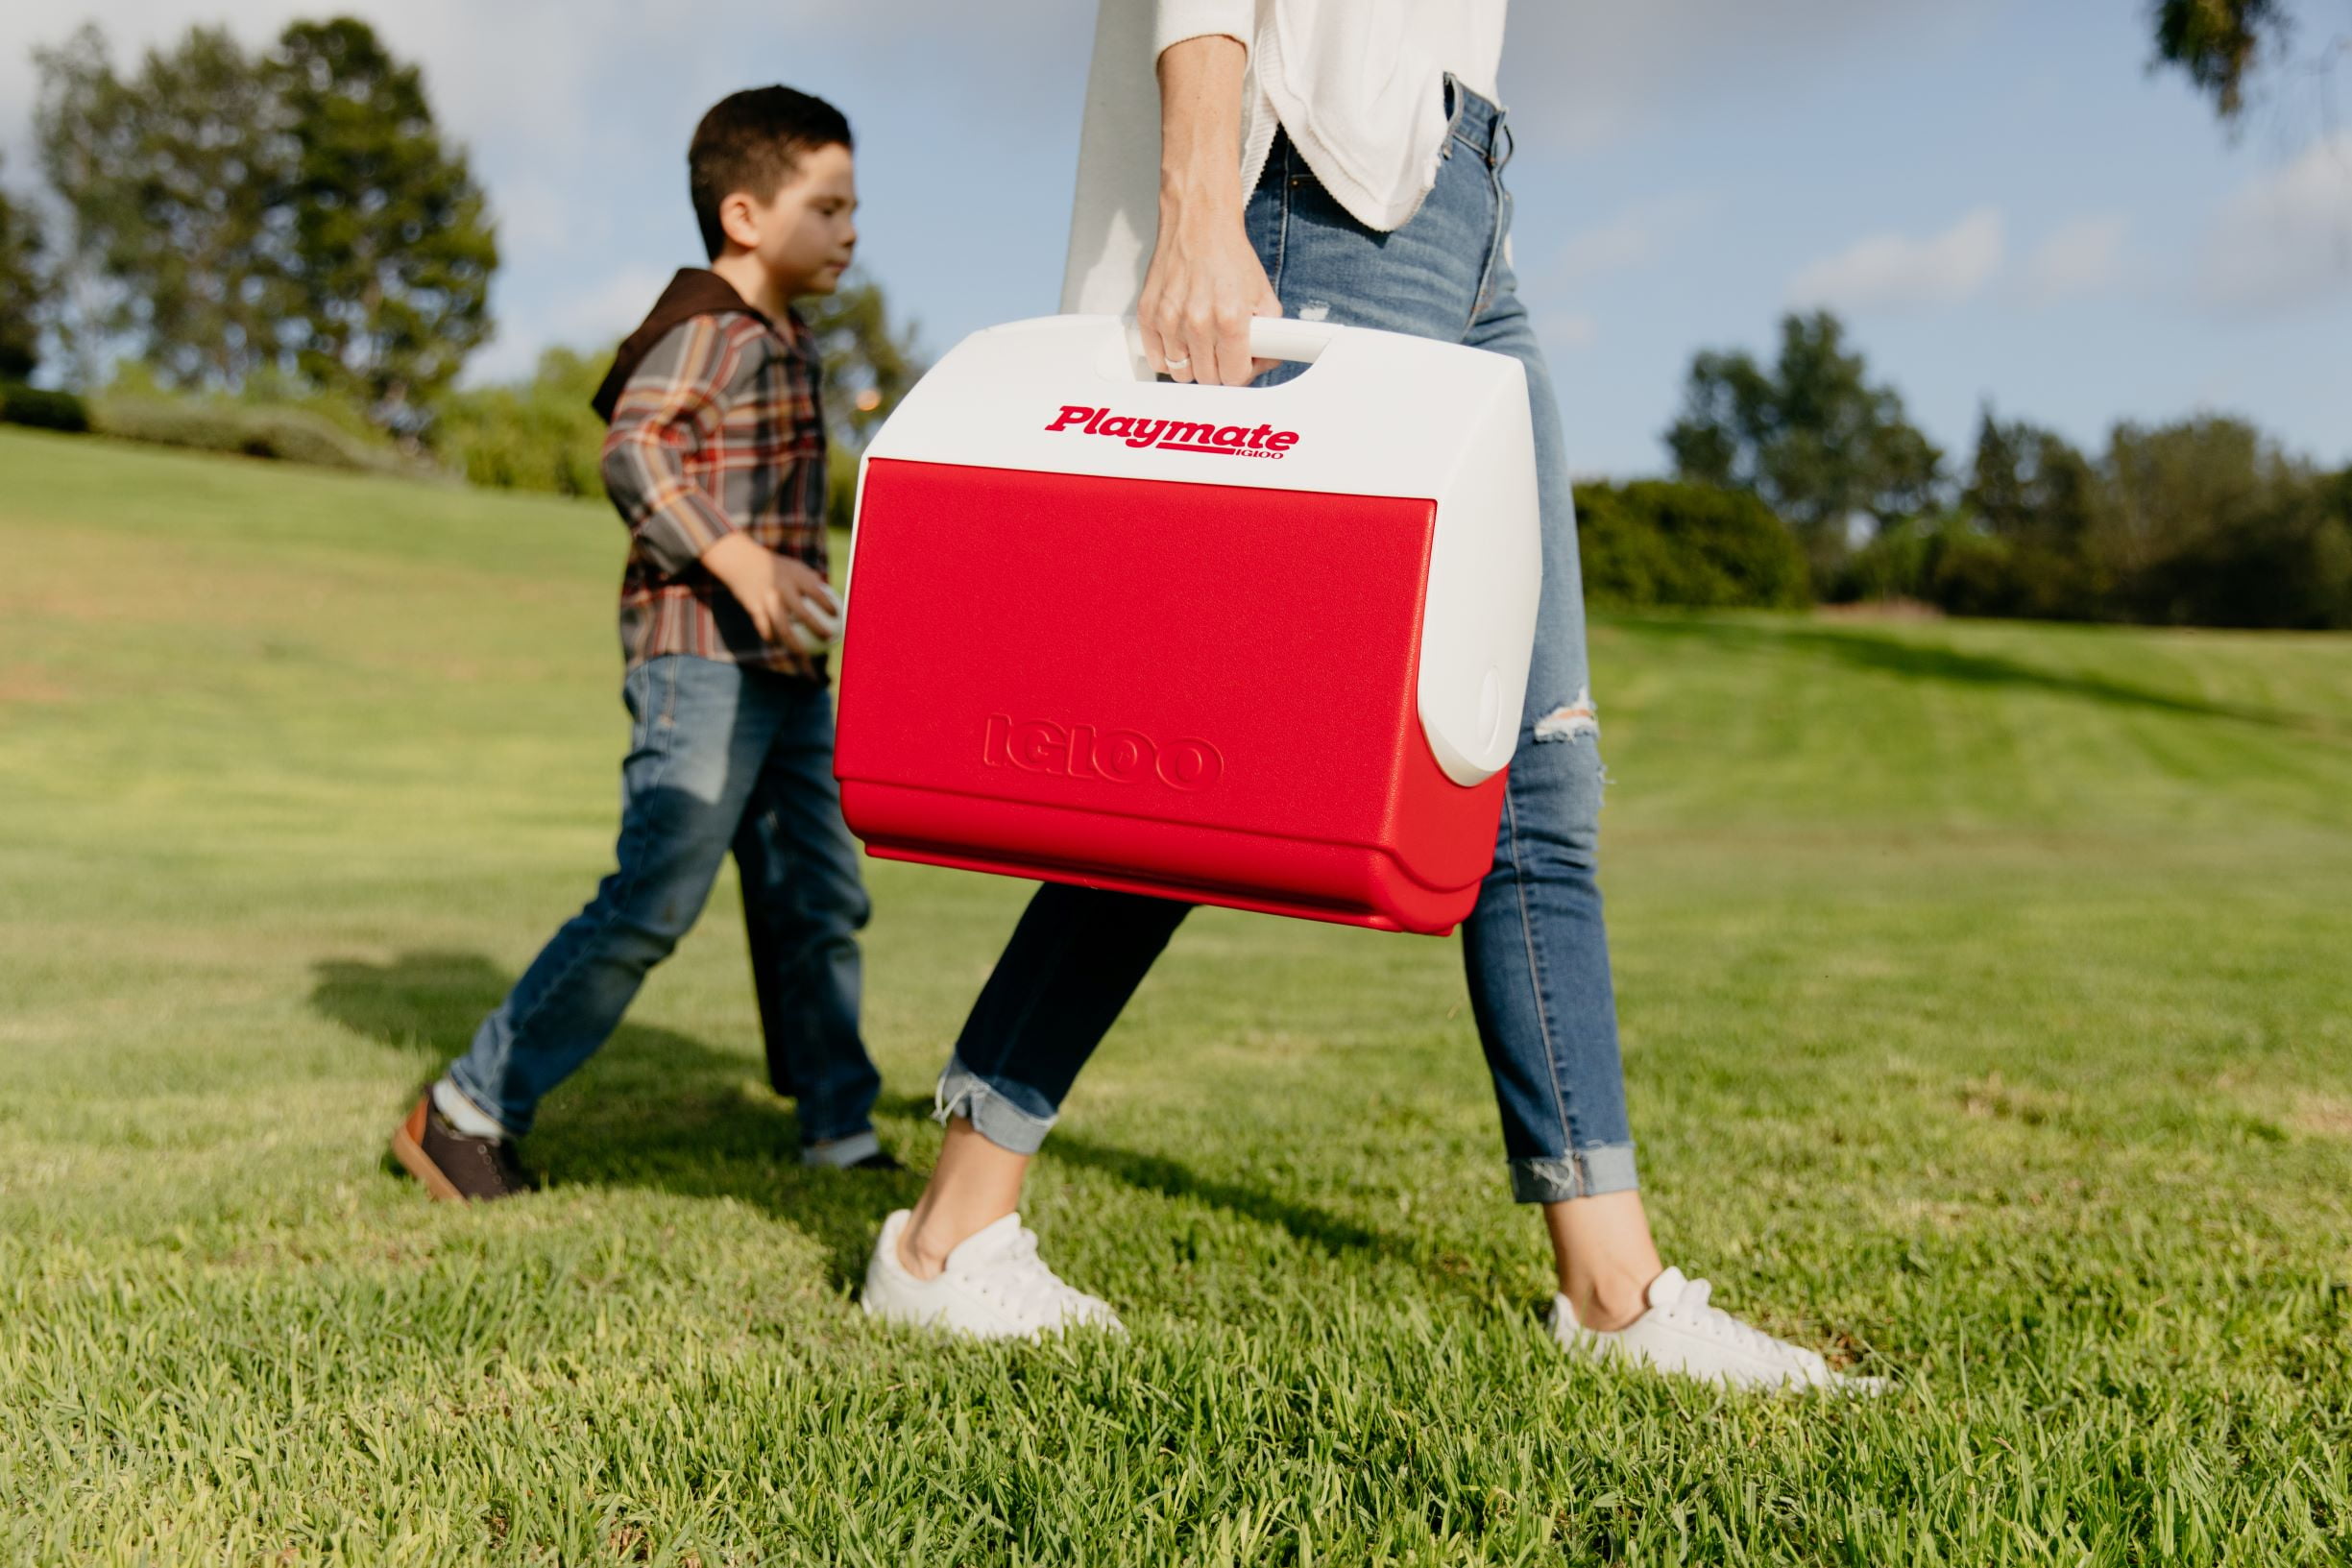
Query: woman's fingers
(1160, 315)
(1215, 344)
(1200, 333)
(1177, 358)
(1196, 323)
(1234, 366)
(1268, 306)
(1157, 350)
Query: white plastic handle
(1271, 337)
(1280, 337)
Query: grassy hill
(1988, 1019)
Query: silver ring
(1179, 364)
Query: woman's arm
(1205, 282)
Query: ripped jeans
(1536, 948)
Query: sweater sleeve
(1175, 20)
(673, 404)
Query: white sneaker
(993, 1288)
(1682, 1334)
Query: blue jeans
(1535, 948)
(720, 757)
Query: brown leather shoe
(454, 1168)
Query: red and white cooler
(1256, 646)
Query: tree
(2226, 47)
(2037, 504)
(2227, 531)
(1812, 436)
(869, 365)
(2031, 485)
(293, 210)
(539, 434)
(1697, 546)
(391, 244)
(24, 290)
(2188, 489)
(172, 181)
(2220, 43)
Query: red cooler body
(1263, 647)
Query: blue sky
(1996, 193)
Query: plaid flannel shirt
(717, 431)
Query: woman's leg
(1536, 948)
(1077, 956)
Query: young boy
(715, 460)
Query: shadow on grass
(1929, 661)
(1340, 1239)
(655, 1109)
(663, 1111)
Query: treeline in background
(278, 252)
(1803, 479)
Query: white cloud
(2085, 256)
(1635, 238)
(2285, 240)
(1895, 272)
(1570, 332)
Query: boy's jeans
(1535, 948)
(720, 757)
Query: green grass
(1988, 1019)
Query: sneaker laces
(1691, 1311)
(1018, 1280)
(505, 1163)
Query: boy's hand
(782, 595)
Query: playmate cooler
(1263, 647)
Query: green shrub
(1693, 545)
(1969, 572)
(2289, 568)
(1895, 562)
(42, 410)
(528, 435)
(290, 435)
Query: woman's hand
(1205, 282)
(1204, 286)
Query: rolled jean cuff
(833, 1117)
(1587, 1173)
(991, 1109)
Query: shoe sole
(879, 1308)
(416, 1163)
(1851, 1384)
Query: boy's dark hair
(752, 141)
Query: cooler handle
(1271, 337)
(1284, 337)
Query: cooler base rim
(958, 860)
